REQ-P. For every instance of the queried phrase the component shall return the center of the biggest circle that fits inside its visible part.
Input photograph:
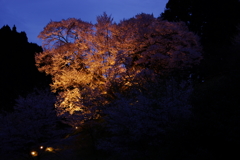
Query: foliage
(213, 132)
(215, 26)
(32, 124)
(17, 62)
(137, 123)
(119, 78)
(89, 63)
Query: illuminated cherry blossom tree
(158, 44)
(90, 63)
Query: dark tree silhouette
(18, 72)
(215, 20)
(214, 130)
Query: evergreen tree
(214, 131)
(18, 72)
(215, 20)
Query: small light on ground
(41, 147)
(49, 149)
(34, 153)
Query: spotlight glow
(34, 153)
(49, 149)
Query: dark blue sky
(32, 15)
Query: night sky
(31, 16)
